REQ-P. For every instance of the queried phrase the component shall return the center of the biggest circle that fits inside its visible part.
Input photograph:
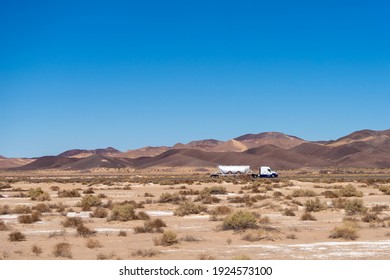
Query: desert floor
(301, 215)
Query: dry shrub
(190, 238)
(99, 212)
(291, 236)
(72, 222)
(5, 209)
(330, 194)
(213, 190)
(221, 210)
(206, 257)
(84, 231)
(143, 216)
(148, 195)
(123, 212)
(171, 198)
(29, 219)
(385, 189)
(89, 191)
(189, 208)
(145, 253)
(16, 236)
(315, 205)
(3, 226)
(355, 206)
(168, 238)
(36, 250)
(307, 216)
(256, 235)
(264, 220)
(93, 243)
(349, 191)
(70, 193)
(22, 209)
(240, 220)
(242, 258)
(42, 208)
(122, 233)
(347, 231)
(371, 218)
(38, 194)
(303, 193)
(62, 250)
(289, 212)
(379, 208)
(151, 226)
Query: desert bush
(379, 208)
(145, 253)
(122, 233)
(38, 194)
(371, 218)
(289, 212)
(208, 199)
(347, 231)
(151, 226)
(123, 212)
(355, 206)
(89, 201)
(189, 208)
(89, 191)
(170, 198)
(70, 193)
(291, 236)
(3, 226)
(256, 235)
(72, 222)
(93, 243)
(36, 250)
(240, 220)
(264, 220)
(54, 188)
(206, 257)
(221, 210)
(214, 190)
(349, 191)
(241, 258)
(315, 205)
(303, 193)
(16, 236)
(99, 212)
(42, 208)
(385, 189)
(62, 250)
(5, 209)
(307, 216)
(168, 238)
(330, 194)
(21, 209)
(29, 219)
(143, 216)
(148, 195)
(84, 231)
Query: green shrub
(90, 201)
(347, 231)
(315, 205)
(240, 220)
(123, 212)
(189, 208)
(16, 236)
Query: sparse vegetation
(3, 226)
(72, 222)
(315, 205)
(84, 231)
(38, 194)
(349, 191)
(240, 220)
(303, 193)
(70, 193)
(93, 243)
(36, 250)
(307, 216)
(145, 253)
(355, 206)
(99, 212)
(123, 212)
(90, 201)
(171, 198)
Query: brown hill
(270, 138)
(144, 152)
(204, 145)
(77, 153)
(47, 162)
(6, 163)
(98, 161)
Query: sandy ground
(199, 235)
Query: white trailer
(235, 170)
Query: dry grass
(347, 231)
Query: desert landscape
(331, 201)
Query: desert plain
(184, 214)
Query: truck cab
(267, 172)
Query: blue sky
(127, 74)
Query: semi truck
(235, 170)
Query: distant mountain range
(365, 148)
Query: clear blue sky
(127, 74)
